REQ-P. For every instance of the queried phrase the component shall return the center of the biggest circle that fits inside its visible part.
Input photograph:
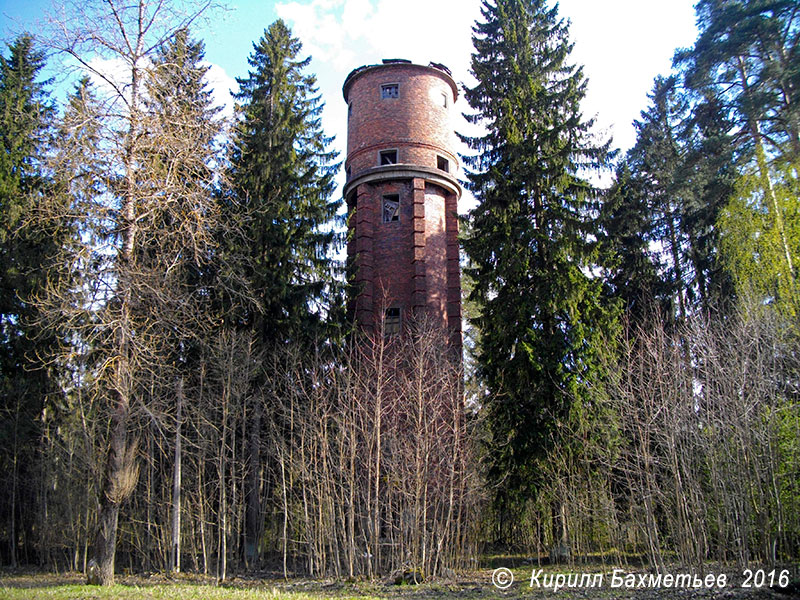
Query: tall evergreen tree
(674, 182)
(282, 178)
(708, 173)
(181, 157)
(748, 58)
(281, 175)
(79, 185)
(655, 161)
(629, 268)
(25, 127)
(541, 318)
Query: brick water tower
(402, 194)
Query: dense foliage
(281, 175)
(26, 119)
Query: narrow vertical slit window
(443, 164)
(387, 157)
(392, 321)
(391, 208)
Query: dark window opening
(444, 100)
(443, 164)
(391, 208)
(390, 90)
(388, 157)
(391, 323)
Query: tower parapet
(402, 195)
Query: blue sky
(623, 44)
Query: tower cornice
(401, 171)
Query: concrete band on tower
(402, 194)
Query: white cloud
(111, 76)
(222, 86)
(341, 35)
(321, 29)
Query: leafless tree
(376, 465)
(708, 452)
(141, 220)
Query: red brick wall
(415, 123)
(436, 252)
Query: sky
(622, 44)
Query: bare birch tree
(141, 220)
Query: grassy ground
(477, 585)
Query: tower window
(391, 322)
(390, 90)
(443, 164)
(444, 99)
(388, 157)
(391, 208)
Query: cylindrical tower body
(402, 196)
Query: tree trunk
(222, 524)
(253, 503)
(175, 562)
(763, 171)
(14, 477)
(119, 482)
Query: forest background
(179, 388)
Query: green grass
(157, 592)
(468, 586)
(162, 592)
(475, 586)
(71, 587)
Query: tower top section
(400, 124)
(387, 64)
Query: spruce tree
(25, 122)
(281, 176)
(180, 157)
(708, 173)
(530, 245)
(282, 179)
(25, 250)
(674, 182)
(655, 161)
(629, 270)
